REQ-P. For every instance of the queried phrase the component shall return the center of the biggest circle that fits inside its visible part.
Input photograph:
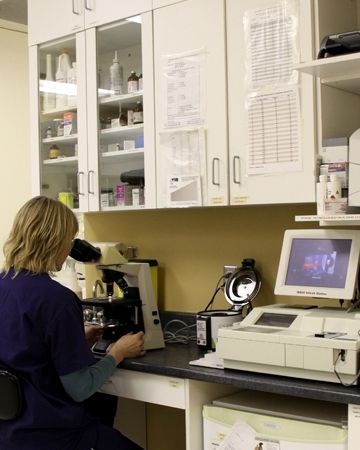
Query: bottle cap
(115, 60)
(334, 177)
(323, 178)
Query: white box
(334, 150)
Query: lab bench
(165, 377)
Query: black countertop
(174, 359)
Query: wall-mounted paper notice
(183, 89)
(271, 46)
(241, 437)
(182, 166)
(273, 132)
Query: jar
(54, 152)
(107, 197)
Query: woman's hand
(128, 346)
(93, 334)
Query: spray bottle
(67, 276)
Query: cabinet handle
(74, 10)
(236, 180)
(80, 176)
(89, 8)
(91, 174)
(214, 160)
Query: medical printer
(315, 343)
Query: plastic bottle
(49, 97)
(333, 189)
(64, 64)
(132, 83)
(321, 194)
(116, 76)
(72, 85)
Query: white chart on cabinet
(183, 89)
(273, 132)
(271, 47)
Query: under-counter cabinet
(92, 131)
(271, 109)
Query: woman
(42, 339)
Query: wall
(192, 246)
(15, 184)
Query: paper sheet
(183, 159)
(183, 89)
(274, 132)
(271, 47)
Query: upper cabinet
(51, 19)
(191, 104)
(92, 116)
(271, 108)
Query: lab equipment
(136, 310)
(295, 341)
(319, 263)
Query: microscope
(136, 311)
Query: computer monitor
(319, 263)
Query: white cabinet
(190, 103)
(271, 156)
(51, 19)
(99, 163)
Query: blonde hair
(41, 230)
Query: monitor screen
(319, 263)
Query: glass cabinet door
(58, 124)
(125, 115)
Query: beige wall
(15, 183)
(192, 246)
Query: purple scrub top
(42, 338)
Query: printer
(339, 44)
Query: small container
(321, 194)
(333, 187)
(140, 82)
(106, 197)
(54, 152)
(120, 194)
(138, 113)
(67, 198)
(133, 82)
(48, 133)
(130, 117)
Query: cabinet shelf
(341, 219)
(54, 113)
(342, 72)
(68, 139)
(124, 98)
(65, 161)
(131, 131)
(111, 157)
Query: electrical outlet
(229, 269)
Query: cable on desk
(180, 335)
(342, 356)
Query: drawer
(147, 387)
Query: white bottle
(49, 94)
(72, 85)
(116, 76)
(333, 190)
(321, 194)
(64, 65)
